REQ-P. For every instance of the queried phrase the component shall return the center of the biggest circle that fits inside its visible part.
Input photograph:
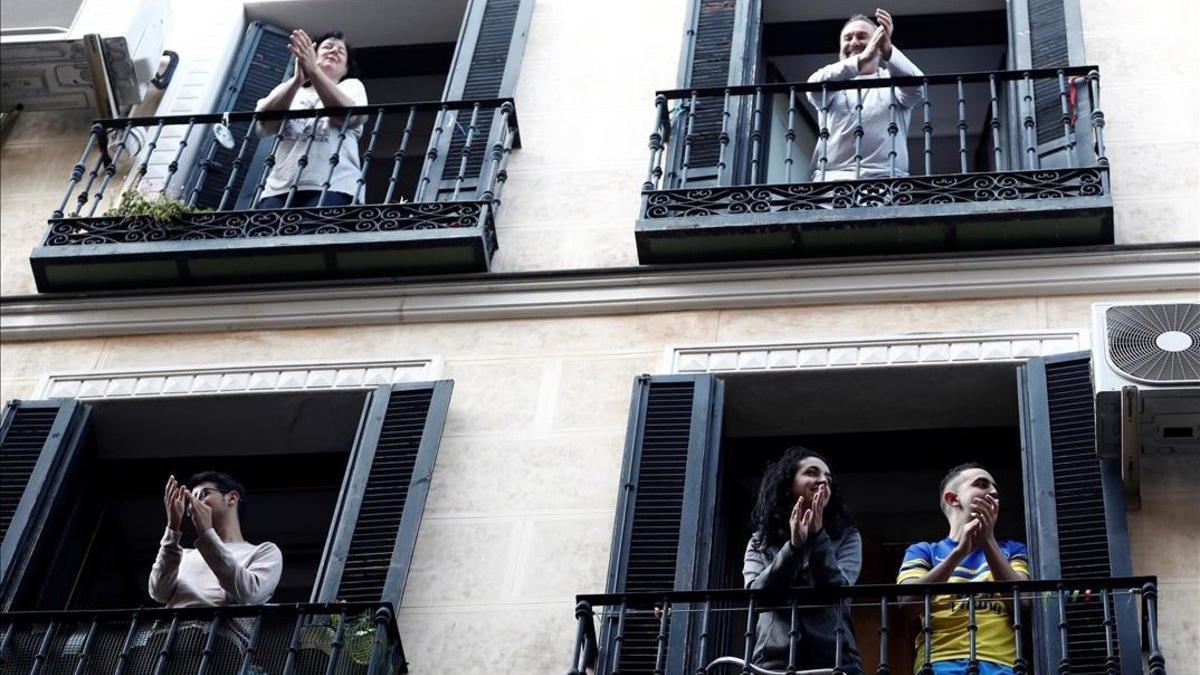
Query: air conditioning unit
(1146, 375)
(73, 54)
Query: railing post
(111, 169)
(1112, 666)
(289, 665)
(702, 661)
(466, 152)
(43, 652)
(756, 136)
(660, 656)
(893, 131)
(972, 628)
(1020, 665)
(335, 649)
(486, 190)
(200, 175)
(884, 668)
(251, 647)
(1093, 79)
(618, 640)
(995, 103)
(1068, 126)
(369, 155)
(858, 134)
(963, 155)
(398, 156)
(748, 652)
(173, 167)
(85, 654)
(823, 157)
(793, 636)
(693, 103)
(654, 171)
(239, 159)
(791, 135)
(927, 635)
(164, 653)
(383, 617)
(150, 147)
(927, 127)
(82, 198)
(431, 155)
(1155, 660)
(1029, 124)
(210, 644)
(268, 166)
(1064, 664)
(77, 170)
(839, 636)
(334, 159)
(126, 647)
(302, 162)
(723, 141)
(583, 614)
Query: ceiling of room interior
(366, 23)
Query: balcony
(399, 223)
(1000, 160)
(346, 638)
(714, 631)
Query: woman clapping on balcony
(321, 79)
(804, 536)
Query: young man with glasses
(223, 569)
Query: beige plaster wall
(520, 510)
(585, 111)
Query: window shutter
(721, 48)
(383, 496)
(663, 529)
(1048, 34)
(1075, 510)
(262, 63)
(38, 439)
(486, 64)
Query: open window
(697, 445)
(336, 479)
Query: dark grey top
(821, 562)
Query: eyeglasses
(201, 493)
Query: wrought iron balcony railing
(745, 172)
(345, 638)
(688, 631)
(218, 231)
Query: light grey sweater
(876, 116)
(215, 573)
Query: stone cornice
(1109, 270)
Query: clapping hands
(807, 517)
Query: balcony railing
(730, 174)
(445, 224)
(638, 631)
(344, 638)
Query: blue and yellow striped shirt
(994, 641)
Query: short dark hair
(351, 64)
(856, 17)
(951, 475)
(224, 483)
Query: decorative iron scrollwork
(270, 223)
(859, 194)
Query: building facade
(584, 294)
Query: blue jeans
(959, 667)
(305, 198)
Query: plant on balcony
(357, 641)
(161, 209)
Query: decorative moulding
(241, 379)
(907, 350)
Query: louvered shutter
(261, 64)
(1054, 41)
(38, 439)
(721, 49)
(1075, 511)
(663, 529)
(383, 496)
(486, 63)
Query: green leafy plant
(160, 208)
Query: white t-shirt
(294, 138)
(215, 573)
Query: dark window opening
(289, 450)
(890, 435)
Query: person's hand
(968, 541)
(201, 515)
(174, 497)
(800, 522)
(987, 511)
(870, 53)
(305, 52)
(885, 22)
(820, 501)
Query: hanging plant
(161, 209)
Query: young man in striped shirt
(970, 501)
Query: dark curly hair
(775, 500)
(351, 63)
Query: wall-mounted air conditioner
(72, 54)
(1146, 375)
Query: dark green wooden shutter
(1075, 510)
(37, 440)
(1047, 34)
(661, 537)
(261, 64)
(486, 63)
(383, 497)
(722, 48)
